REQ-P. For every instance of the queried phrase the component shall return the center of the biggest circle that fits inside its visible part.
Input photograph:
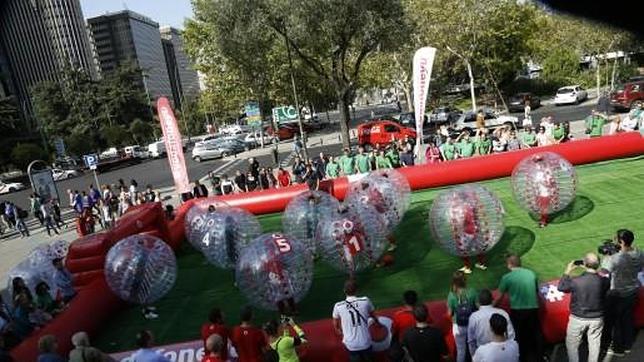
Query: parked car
(211, 150)
(111, 152)
(467, 121)
(135, 151)
(286, 131)
(253, 139)
(61, 174)
(406, 119)
(517, 102)
(628, 96)
(8, 187)
(382, 132)
(573, 94)
(445, 114)
(156, 149)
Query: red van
(630, 95)
(382, 132)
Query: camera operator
(588, 293)
(623, 267)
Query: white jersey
(353, 313)
(507, 351)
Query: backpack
(463, 311)
(271, 354)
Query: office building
(183, 78)
(128, 38)
(41, 38)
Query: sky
(164, 12)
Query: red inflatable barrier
(139, 218)
(86, 278)
(90, 245)
(86, 264)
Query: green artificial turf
(610, 196)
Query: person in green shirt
(382, 161)
(448, 150)
(559, 133)
(482, 144)
(461, 303)
(347, 163)
(44, 301)
(393, 155)
(464, 145)
(332, 168)
(522, 286)
(595, 124)
(528, 138)
(281, 341)
(362, 162)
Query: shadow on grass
(580, 207)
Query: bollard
(321, 141)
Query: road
(157, 172)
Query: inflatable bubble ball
(273, 270)
(35, 268)
(544, 183)
(140, 269)
(230, 230)
(354, 240)
(382, 194)
(466, 220)
(401, 183)
(197, 221)
(303, 214)
(59, 249)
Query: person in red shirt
(404, 318)
(215, 349)
(283, 178)
(216, 325)
(249, 341)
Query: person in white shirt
(500, 349)
(478, 327)
(350, 318)
(145, 353)
(527, 116)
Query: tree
(116, 135)
(23, 153)
(9, 118)
(140, 131)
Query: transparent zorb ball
(544, 183)
(303, 214)
(59, 249)
(466, 220)
(353, 240)
(381, 193)
(141, 269)
(401, 184)
(274, 268)
(198, 222)
(35, 268)
(230, 230)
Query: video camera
(608, 247)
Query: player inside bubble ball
(280, 289)
(312, 215)
(390, 215)
(466, 231)
(230, 232)
(545, 188)
(350, 239)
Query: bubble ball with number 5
(354, 240)
(198, 220)
(303, 214)
(230, 230)
(274, 268)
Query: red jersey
(212, 359)
(284, 179)
(403, 320)
(377, 200)
(249, 343)
(208, 329)
(354, 242)
(469, 221)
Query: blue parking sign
(91, 161)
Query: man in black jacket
(199, 190)
(588, 293)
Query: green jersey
(393, 157)
(285, 348)
(363, 163)
(449, 150)
(529, 139)
(332, 169)
(383, 162)
(483, 146)
(521, 285)
(596, 125)
(558, 133)
(466, 148)
(346, 164)
(468, 295)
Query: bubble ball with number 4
(303, 214)
(273, 269)
(198, 220)
(354, 240)
(140, 269)
(230, 230)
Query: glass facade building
(183, 77)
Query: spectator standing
(151, 196)
(461, 303)
(527, 114)
(145, 353)
(63, 281)
(465, 147)
(48, 346)
(543, 138)
(240, 182)
(70, 197)
(84, 352)
(393, 155)
(350, 321)
(478, 328)
(251, 182)
(528, 138)
(46, 213)
(588, 293)
(320, 165)
(404, 318)
(248, 340)
(299, 168)
(253, 166)
(56, 213)
(133, 190)
(407, 157)
(332, 168)
(382, 161)
(347, 164)
(281, 341)
(513, 142)
(214, 349)
(559, 133)
(263, 179)
(297, 146)
(272, 181)
(199, 190)
(362, 161)
(448, 150)
(595, 124)
(19, 217)
(424, 343)
(227, 186)
(432, 154)
(522, 286)
(501, 348)
(623, 294)
(480, 119)
(482, 144)
(35, 202)
(311, 178)
(283, 178)
(216, 326)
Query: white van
(156, 149)
(135, 151)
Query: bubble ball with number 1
(274, 268)
(140, 269)
(303, 214)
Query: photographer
(280, 340)
(588, 293)
(623, 267)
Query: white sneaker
(466, 270)
(480, 266)
(151, 315)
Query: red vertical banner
(173, 146)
